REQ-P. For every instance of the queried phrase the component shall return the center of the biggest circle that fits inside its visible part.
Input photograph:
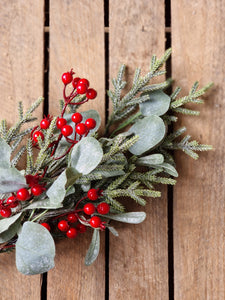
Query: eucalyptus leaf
(7, 222)
(113, 230)
(5, 153)
(43, 203)
(153, 159)
(35, 249)
(72, 175)
(151, 130)
(158, 104)
(8, 234)
(130, 217)
(11, 180)
(57, 191)
(9, 227)
(168, 168)
(86, 155)
(94, 248)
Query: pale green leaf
(9, 227)
(57, 191)
(35, 249)
(86, 155)
(158, 104)
(5, 152)
(152, 159)
(11, 180)
(150, 130)
(130, 217)
(94, 248)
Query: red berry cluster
(89, 209)
(38, 130)
(73, 224)
(22, 194)
(65, 225)
(80, 128)
(81, 85)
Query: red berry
(12, 202)
(37, 190)
(5, 212)
(63, 225)
(91, 94)
(81, 88)
(81, 228)
(67, 130)
(90, 123)
(46, 225)
(23, 194)
(93, 194)
(60, 123)
(67, 78)
(103, 208)
(72, 218)
(84, 81)
(81, 128)
(75, 81)
(89, 208)
(36, 134)
(44, 124)
(76, 117)
(95, 222)
(71, 233)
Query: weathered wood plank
(21, 78)
(77, 41)
(138, 266)
(198, 39)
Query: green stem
(39, 216)
(126, 123)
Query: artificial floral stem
(40, 215)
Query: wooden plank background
(42, 39)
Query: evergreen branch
(186, 111)
(157, 86)
(17, 157)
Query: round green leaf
(35, 249)
(158, 104)
(86, 155)
(151, 130)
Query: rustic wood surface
(139, 254)
(198, 40)
(77, 41)
(138, 258)
(21, 72)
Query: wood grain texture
(77, 41)
(138, 262)
(21, 76)
(198, 40)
